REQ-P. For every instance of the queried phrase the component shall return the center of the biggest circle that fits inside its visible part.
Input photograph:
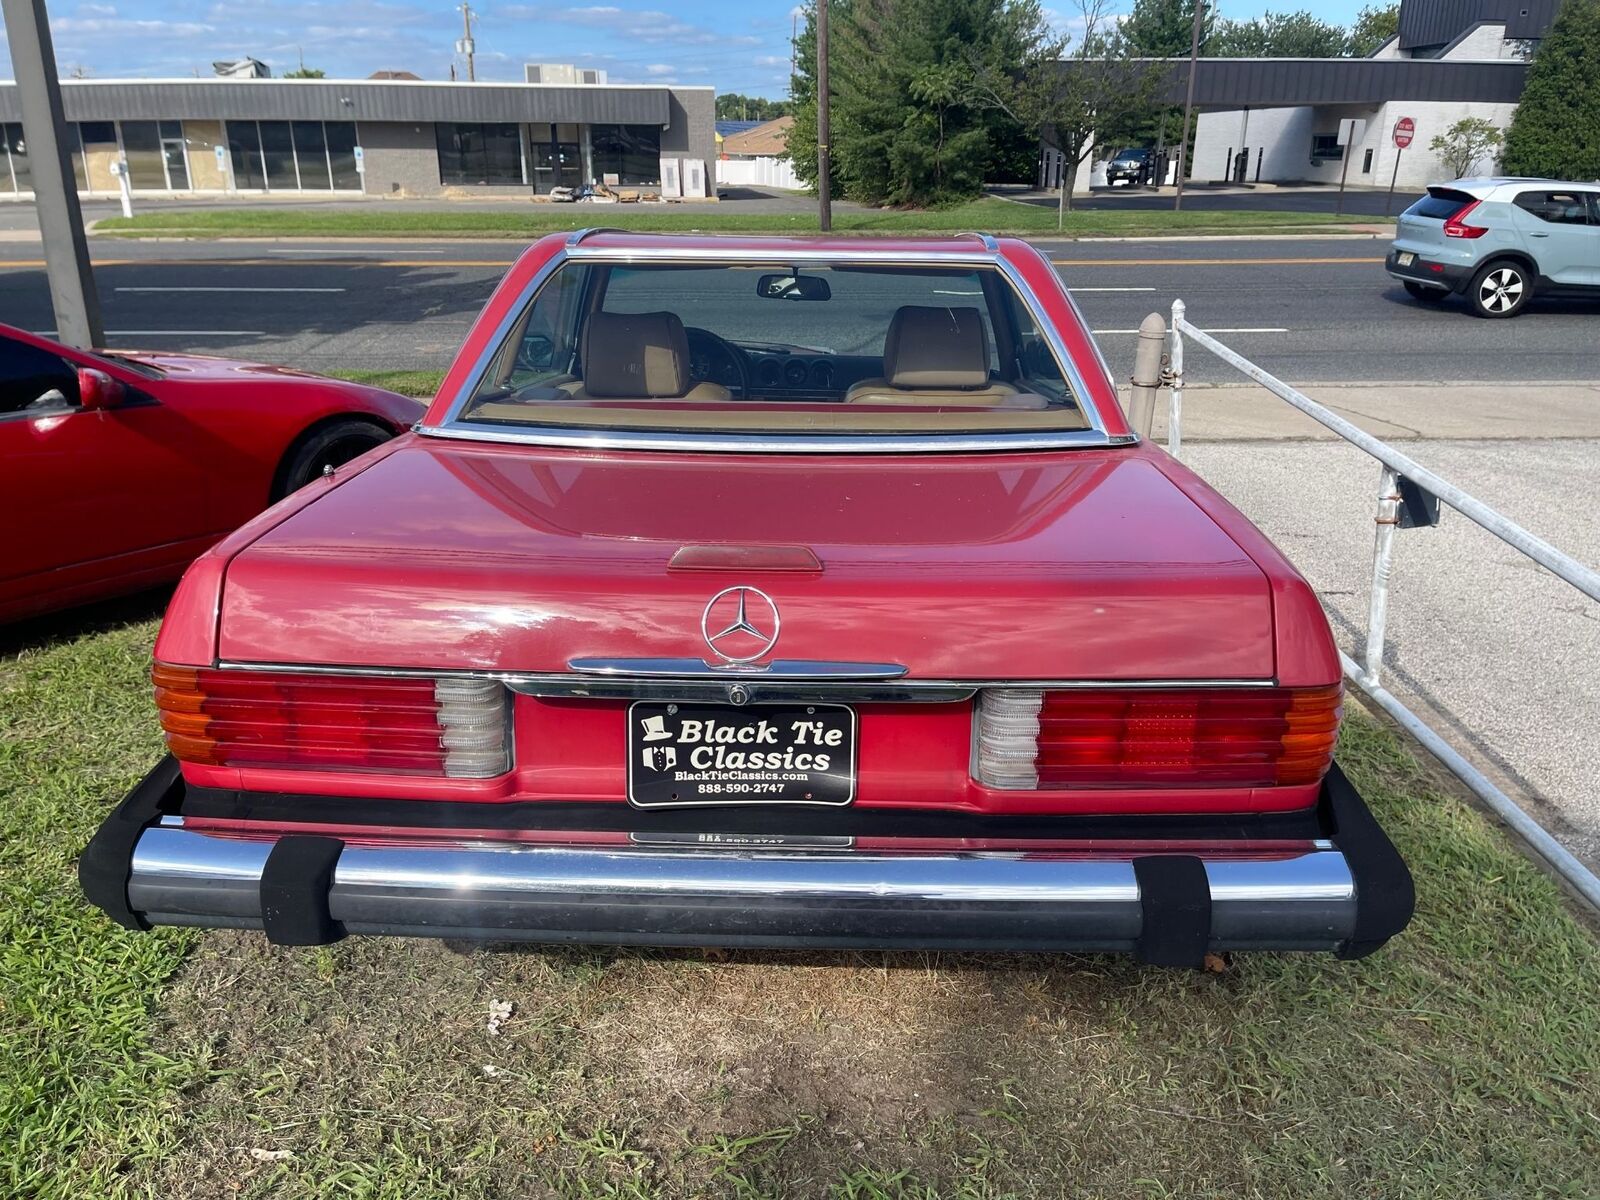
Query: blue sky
(735, 45)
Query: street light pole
(55, 192)
(824, 167)
(1188, 103)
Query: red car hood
(1085, 565)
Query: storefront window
(341, 138)
(285, 156)
(14, 174)
(244, 144)
(630, 152)
(141, 146)
(311, 153)
(479, 154)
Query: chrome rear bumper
(1167, 907)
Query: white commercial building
(1451, 60)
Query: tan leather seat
(639, 356)
(938, 356)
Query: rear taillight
(1197, 737)
(1457, 226)
(454, 727)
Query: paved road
(1307, 309)
(1357, 201)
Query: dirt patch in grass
(1457, 1062)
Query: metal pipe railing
(1367, 674)
(1475, 510)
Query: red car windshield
(775, 348)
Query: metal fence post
(1175, 372)
(1382, 558)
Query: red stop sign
(1404, 130)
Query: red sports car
(120, 466)
(759, 592)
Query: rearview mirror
(793, 287)
(97, 390)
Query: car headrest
(633, 356)
(935, 348)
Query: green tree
(1465, 144)
(1070, 100)
(731, 106)
(1371, 29)
(1278, 35)
(1556, 130)
(306, 73)
(907, 127)
(1162, 28)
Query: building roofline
(211, 80)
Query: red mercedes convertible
(758, 592)
(118, 467)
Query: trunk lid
(454, 555)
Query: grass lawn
(1461, 1061)
(421, 384)
(998, 216)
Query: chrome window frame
(984, 255)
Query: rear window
(777, 348)
(1440, 204)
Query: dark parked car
(1131, 166)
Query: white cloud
(773, 60)
(642, 25)
(97, 10)
(659, 69)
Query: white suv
(1499, 241)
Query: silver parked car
(1499, 242)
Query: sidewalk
(1392, 411)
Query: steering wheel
(705, 349)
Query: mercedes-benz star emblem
(745, 624)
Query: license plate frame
(720, 780)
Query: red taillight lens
(1206, 737)
(1457, 226)
(416, 726)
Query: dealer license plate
(1405, 260)
(686, 754)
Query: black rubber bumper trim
(1175, 903)
(107, 861)
(294, 891)
(1386, 896)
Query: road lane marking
(355, 250)
(1112, 289)
(1206, 262)
(230, 289)
(488, 264)
(498, 263)
(50, 333)
(1244, 329)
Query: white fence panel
(758, 172)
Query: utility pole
(1188, 103)
(55, 192)
(465, 45)
(824, 167)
